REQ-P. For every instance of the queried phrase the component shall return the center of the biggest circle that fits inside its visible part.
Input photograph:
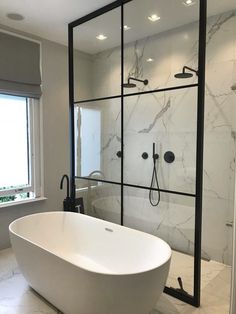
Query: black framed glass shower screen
(112, 125)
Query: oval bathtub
(84, 265)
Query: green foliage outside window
(10, 198)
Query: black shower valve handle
(156, 156)
(119, 154)
(145, 155)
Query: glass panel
(98, 139)
(173, 221)
(158, 43)
(14, 138)
(168, 120)
(97, 45)
(101, 200)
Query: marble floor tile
(16, 297)
(215, 287)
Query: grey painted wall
(55, 134)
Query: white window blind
(19, 66)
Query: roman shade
(19, 66)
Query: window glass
(19, 166)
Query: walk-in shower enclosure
(112, 126)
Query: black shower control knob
(156, 156)
(145, 155)
(119, 154)
(169, 157)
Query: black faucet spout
(65, 176)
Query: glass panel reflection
(173, 221)
(97, 45)
(157, 46)
(100, 200)
(169, 121)
(98, 140)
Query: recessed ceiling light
(101, 37)
(150, 60)
(153, 17)
(126, 27)
(186, 36)
(188, 2)
(15, 16)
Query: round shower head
(129, 85)
(183, 75)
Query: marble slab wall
(169, 120)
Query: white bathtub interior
(75, 240)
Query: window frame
(34, 129)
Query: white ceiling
(49, 19)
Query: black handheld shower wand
(154, 180)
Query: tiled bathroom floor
(17, 298)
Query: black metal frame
(195, 299)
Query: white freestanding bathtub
(84, 265)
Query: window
(20, 153)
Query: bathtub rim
(167, 258)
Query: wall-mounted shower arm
(145, 82)
(190, 69)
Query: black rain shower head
(131, 85)
(184, 74)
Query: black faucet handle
(145, 155)
(156, 156)
(119, 154)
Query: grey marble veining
(216, 26)
(157, 117)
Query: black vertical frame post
(71, 112)
(199, 151)
(122, 115)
